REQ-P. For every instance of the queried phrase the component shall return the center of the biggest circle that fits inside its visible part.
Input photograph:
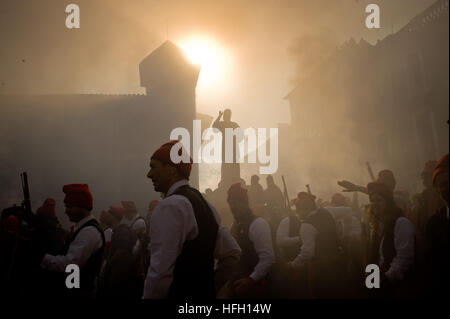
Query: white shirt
(404, 249)
(87, 242)
(108, 234)
(282, 238)
(172, 223)
(308, 234)
(259, 234)
(137, 221)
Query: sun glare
(210, 55)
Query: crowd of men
(276, 247)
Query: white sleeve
(139, 225)
(259, 234)
(87, 241)
(308, 234)
(282, 238)
(404, 248)
(171, 224)
(108, 235)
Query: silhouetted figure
(273, 196)
(391, 244)
(230, 172)
(25, 239)
(254, 237)
(50, 229)
(288, 235)
(120, 275)
(425, 204)
(275, 209)
(437, 277)
(83, 247)
(256, 194)
(319, 257)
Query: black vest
(91, 268)
(249, 257)
(326, 240)
(388, 245)
(193, 276)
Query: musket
(308, 188)
(26, 204)
(369, 168)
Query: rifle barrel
(26, 192)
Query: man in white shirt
(254, 237)
(288, 236)
(319, 251)
(84, 247)
(185, 234)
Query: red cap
(117, 212)
(441, 166)
(129, 205)
(237, 192)
(381, 189)
(163, 154)
(48, 208)
(78, 195)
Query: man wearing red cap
(392, 241)
(185, 233)
(437, 235)
(254, 237)
(319, 250)
(84, 247)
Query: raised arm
(217, 121)
(350, 187)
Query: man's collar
(82, 222)
(176, 185)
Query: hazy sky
(268, 45)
